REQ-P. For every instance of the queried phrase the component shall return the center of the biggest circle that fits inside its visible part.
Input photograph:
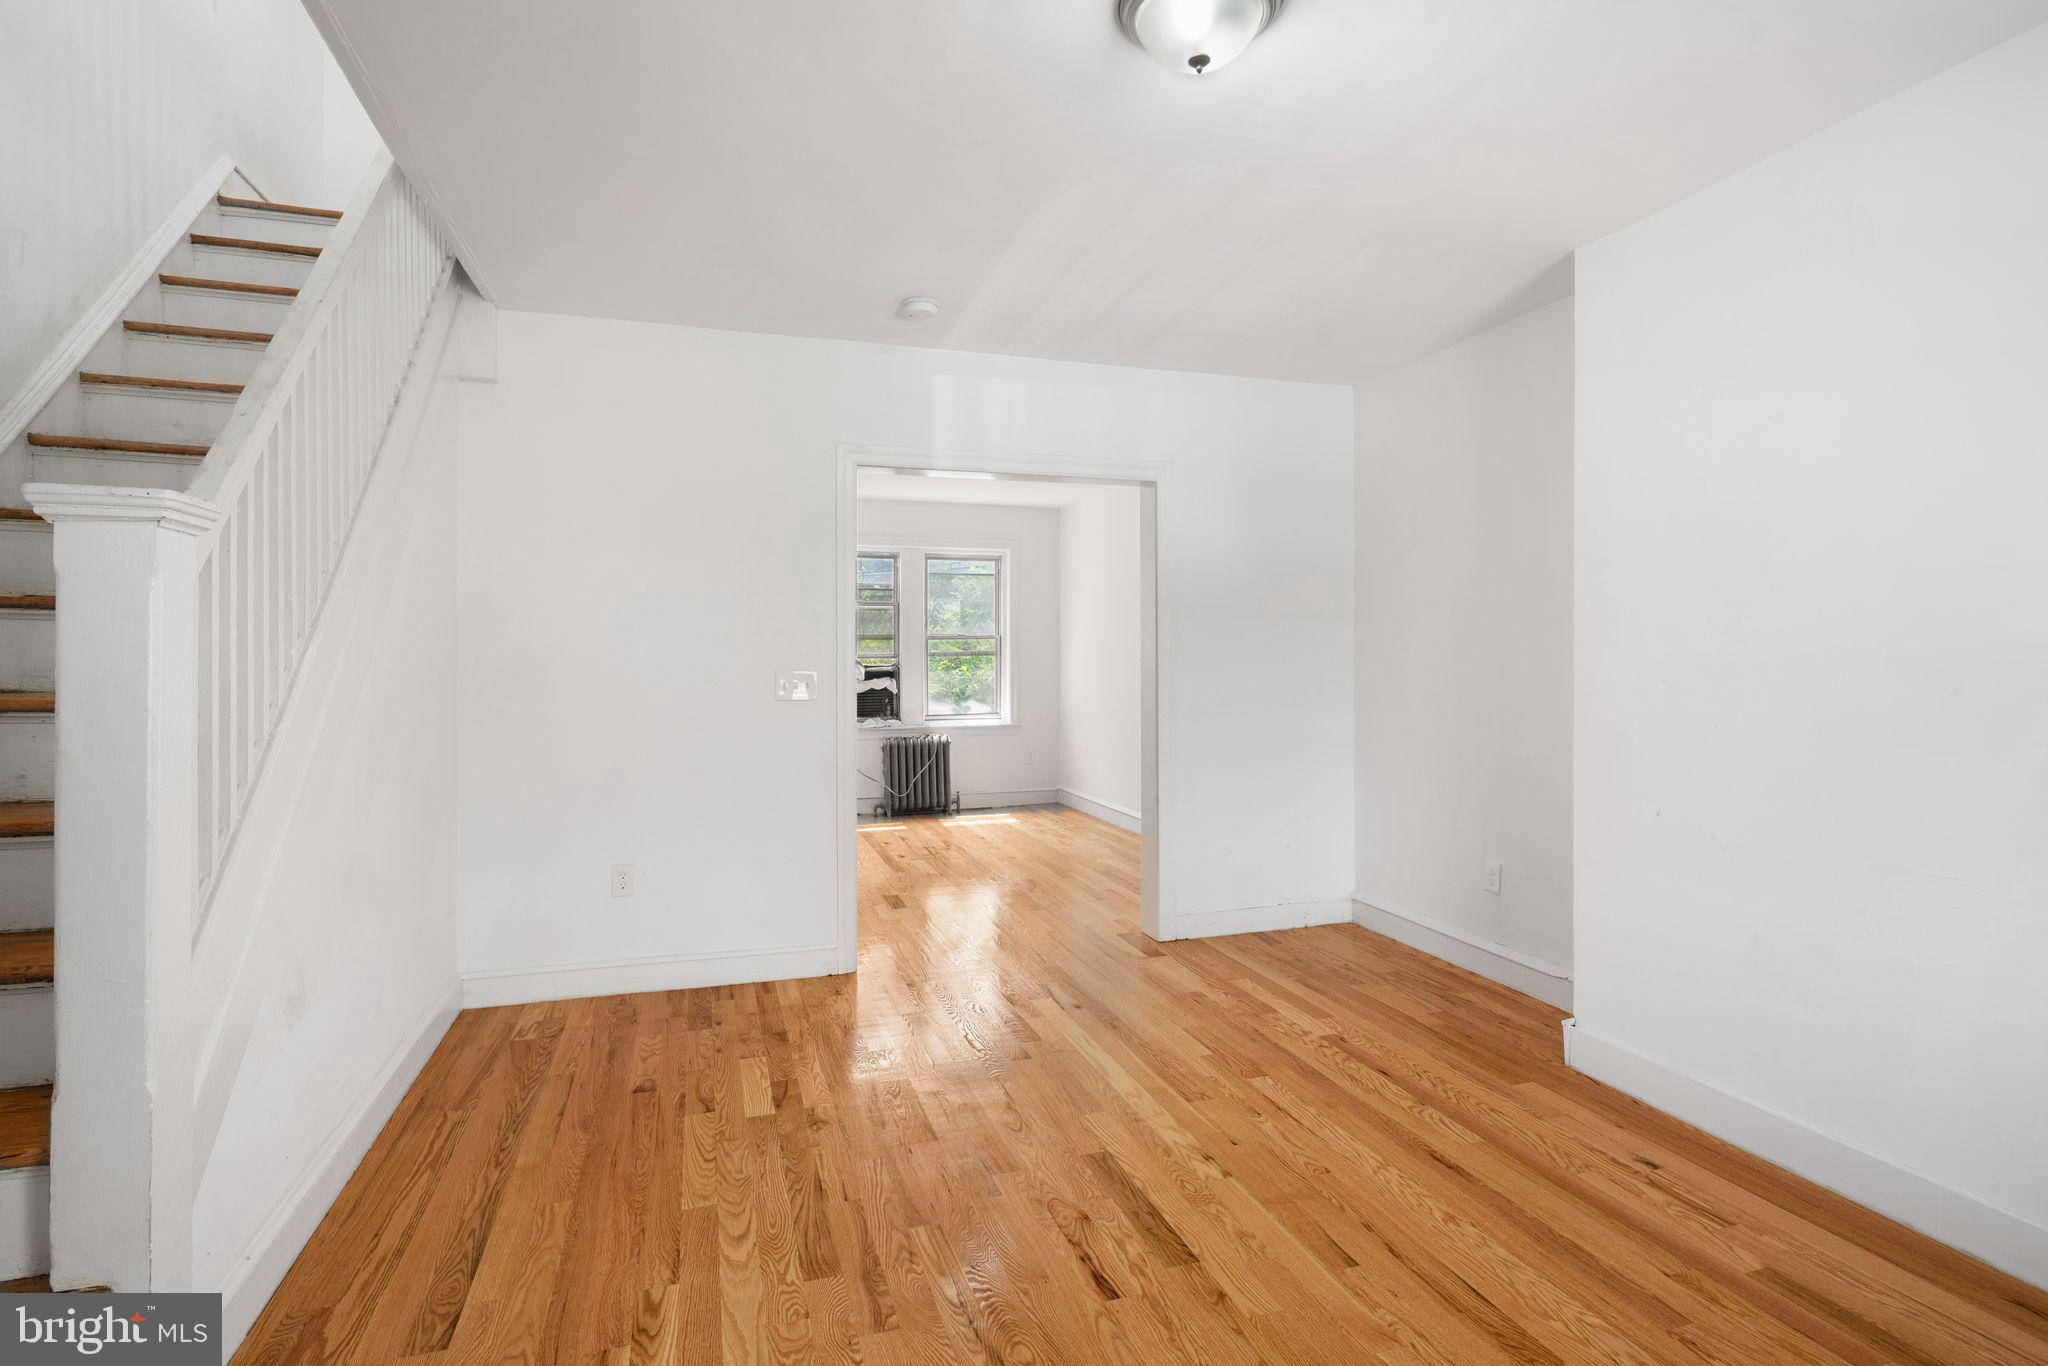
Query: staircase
(154, 392)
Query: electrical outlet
(622, 879)
(1493, 876)
(796, 685)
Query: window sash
(894, 606)
(982, 645)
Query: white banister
(288, 472)
(184, 619)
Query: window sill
(949, 723)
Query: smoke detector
(918, 308)
(1194, 37)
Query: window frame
(895, 609)
(912, 647)
(998, 638)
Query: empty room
(1086, 681)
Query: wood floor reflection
(1025, 1133)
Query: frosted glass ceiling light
(1195, 36)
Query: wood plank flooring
(1024, 1133)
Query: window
(930, 646)
(963, 637)
(877, 615)
(874, 598)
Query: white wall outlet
(1493, 876)
(622, 879)
(796, 685)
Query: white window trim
(913, 701)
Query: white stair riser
(265, 227)
(28, 1050)
(28, 649)
(248, 267)
(25, 564)
(186, 358)
(28, 757)
(28, 881)
(210, 308)
(24, 1222)
(139, 415)
(121, 471)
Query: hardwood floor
(1024, 1133)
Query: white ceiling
(1372, 180)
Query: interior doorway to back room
(1002, 717)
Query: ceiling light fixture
(1195, 36)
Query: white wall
(1464, 650)
(1018, 761)
(612, 710)
(344, 869)
(1100, 759)
(113, 111)
(1812, 654)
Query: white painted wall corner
(2006, 1240)
(261, 1266)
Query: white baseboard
(1120, 816)
(24, 1222)
(1526, 973)
(622, 976)
(1293, 915)
(66, 358)
(260, 1266)
(2006, 1240)
(979, 801)
(1031, 796)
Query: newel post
(121, 1126)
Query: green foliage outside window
(962, 599)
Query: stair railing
(183, 618)
(288, 473)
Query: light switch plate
(796, 685)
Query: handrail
(288, 472)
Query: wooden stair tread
(25, 1127)
(108, 443)
(40, 1285)
(183, 386)
(31, 702)
(228, 201)
(223, 334)
(230, 286)
(207, 239)
(31, 602)
(27, 1285)
(20, 515)
(20, 820)
(28, 958)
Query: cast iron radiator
(917, 774)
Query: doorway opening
(1000, 737)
